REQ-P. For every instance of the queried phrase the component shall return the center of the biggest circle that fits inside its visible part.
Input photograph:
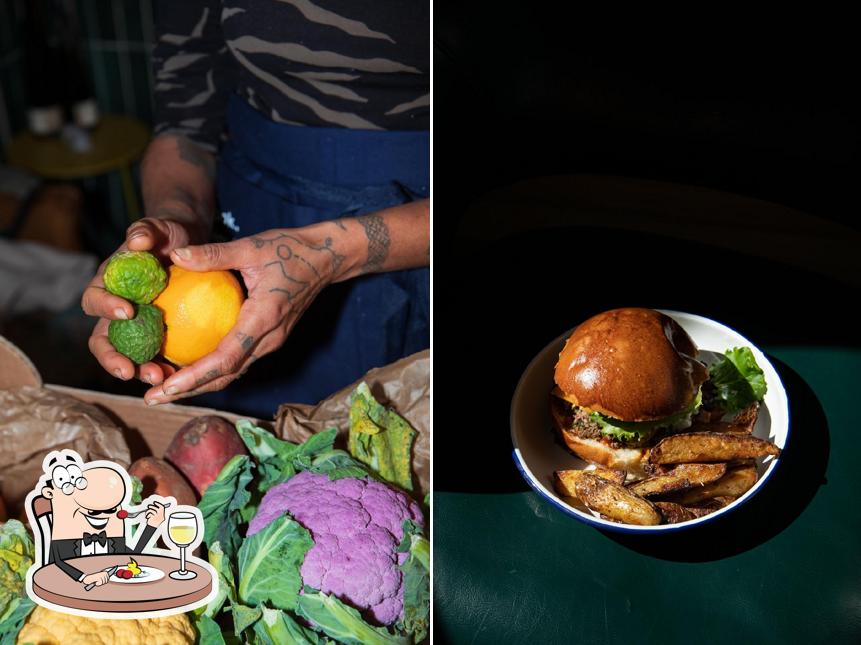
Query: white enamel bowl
(538, 452)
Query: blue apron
(273, 175)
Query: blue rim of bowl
(630, 528)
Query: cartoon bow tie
(99, 537)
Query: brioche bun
(630, 364)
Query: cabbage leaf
(225, 502)
(16, 556)
(343, 623)
(380, 438)
(269, 564)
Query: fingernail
(120, 313)
(171, 390)
(183, 253)
(152, 402)
(146, 379)
(136, 232)
(118, 373)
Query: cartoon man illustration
(87, 518)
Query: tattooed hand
(283, 270)
(159, 237)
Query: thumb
(140, 236)
(208, 257)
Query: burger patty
(578, 421)
(583, 425)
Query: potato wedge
(705, 447)
(674, 513)
(711, 505)
(679, 478)
(656, 469)
(615, 501)
(736, 482)
(742, 423)
(746, 418)
(563, 480)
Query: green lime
(141, 337)
(136, 276)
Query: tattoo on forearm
(377, 233)
(245, 341)
(193, 154)
(340, 224)
(291, 254)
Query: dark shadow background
(754, 105)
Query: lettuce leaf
(737, 379)
(380, 438)
(225, 504)
(269, 564)
(628, 431)
(343, 623)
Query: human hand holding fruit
(283, 271)
(159, 237)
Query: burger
(625, 379)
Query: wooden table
(52, 585)
(118, 141)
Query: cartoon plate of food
(135, 573)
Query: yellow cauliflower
(46, 627)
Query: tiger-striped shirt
(331, 63)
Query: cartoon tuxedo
(93, 544)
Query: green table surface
(785, 568)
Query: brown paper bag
(34, 421)
(403, 385)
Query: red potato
(201, 447)
(160, 478)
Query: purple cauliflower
(356, 525)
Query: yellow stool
(117, 142)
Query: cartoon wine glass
(182, 530)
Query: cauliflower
(356, 525)
(47, 627)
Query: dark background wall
(727, 99)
